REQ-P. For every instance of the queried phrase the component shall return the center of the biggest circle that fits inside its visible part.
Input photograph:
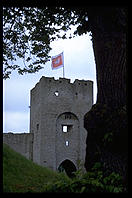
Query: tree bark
(111, 70)
(109, 44)
(108, 116)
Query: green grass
(22, 175)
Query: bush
(92, 181)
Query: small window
(67, 143)
(65, 129)
(37, 127)
(56, 93)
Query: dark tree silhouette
(109, 44)
(106, 123)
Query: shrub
(92, 181)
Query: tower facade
(57, 110)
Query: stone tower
(56, 121)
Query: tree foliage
(93, 181)
(28, 32)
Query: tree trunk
(109, 44)
(109, 115)
(110, 57)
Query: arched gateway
(67, 166)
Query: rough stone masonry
(57, 133)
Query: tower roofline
(64, 80)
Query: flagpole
(63, 64)
(63, 72)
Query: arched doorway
(67, 140)
(67, 166)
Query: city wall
(22, 143)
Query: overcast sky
(79, 64)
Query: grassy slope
(22, 175)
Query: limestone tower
(56, 121)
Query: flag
(57, 61)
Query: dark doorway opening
(68, 167)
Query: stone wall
(21, 143)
